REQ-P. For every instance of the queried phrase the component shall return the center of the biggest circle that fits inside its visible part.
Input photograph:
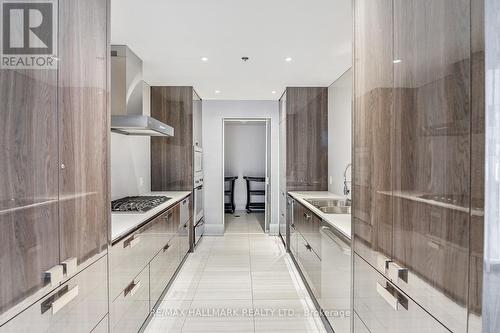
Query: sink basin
(332, 206)
(336, 209)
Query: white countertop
(123, 223)
(341, 222)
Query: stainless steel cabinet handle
(392, 296)
(54, 275)
(166, 247)
(132, 288)
(397, 273)
(63, 300)
(132, 241)
(307, 216)
(308, 247)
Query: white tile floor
(241, 282)
(242, 223)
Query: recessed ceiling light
(273, 92)
(217, 91)
(396, 61)
(204, 59)
(288, 59)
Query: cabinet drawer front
(384, 308)
(129, 256)
(77, 306)
(335, 298)
(131, 308)
(163, 267)
(310, 265)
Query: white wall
(213, 114)
(130, 165)
(244, 155)
(339, 129)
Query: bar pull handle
(62, 301)
(397, 273)
(132, 241)
(54, 275)
(132, 288)
(166, 247)
(387, 296)
(307, 216)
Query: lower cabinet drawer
(131, 308)
(103, 326)
(385, 309)
(185, 210)
(163, 267)
(77, 306)
(310, 265)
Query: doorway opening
(247, 165)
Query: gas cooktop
(137, 204)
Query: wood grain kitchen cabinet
(129, 310)
(432, 155)
(419, 152)
(83, 129)
(172, 157)
(77, 306)
(197, 120)
(372, 130)
(54, 123)
(306, 139)
(383, 308)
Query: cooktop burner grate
(137, 204)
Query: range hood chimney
(130, 97)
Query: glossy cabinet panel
(77, 306)
(84, 129)
(130, 255)
(172, 157)
(372, 129)
(306, 139)
(431, 158)
(197, 120)
(335, 297)
(54, 203)
(131, 308)
(385, 309)
(103, 326)
(283, 200)
(183, 234)
(310, 265)
(163, 267)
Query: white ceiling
(171, 36)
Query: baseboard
(214, 229)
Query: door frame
(268, 164)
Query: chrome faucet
(347, 190)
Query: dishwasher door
(336, 262)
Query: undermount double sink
(331, 206)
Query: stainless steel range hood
(130, 97)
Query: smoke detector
(245, 59)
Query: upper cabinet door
(84, 125)
(29, 169)
(307, 139)
(372, 131)
(197, 120)
(431, 157)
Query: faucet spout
(347, 190)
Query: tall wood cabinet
(418, 142)
(306, 139)
(54, 204)
(172, 157)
